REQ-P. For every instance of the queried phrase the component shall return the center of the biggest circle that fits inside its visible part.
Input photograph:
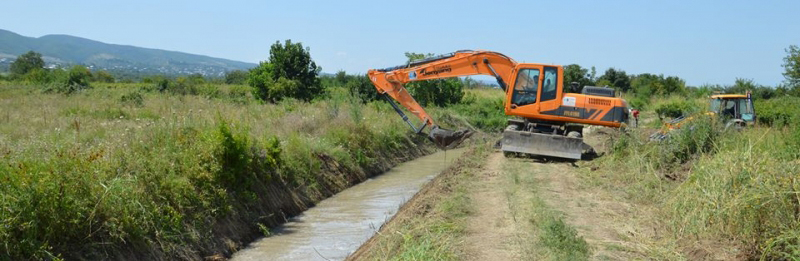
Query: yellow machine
(550, 121)
(736, 110)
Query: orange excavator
(549, 121)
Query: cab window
(526, 86)
(744, 106)
(550, 83)
(746, 110)
(728, 108)
(715, 105)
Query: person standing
(635, 113)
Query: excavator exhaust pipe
(542, 144)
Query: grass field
(124, 170)
(714, 185)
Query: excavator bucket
(446, 139)
(542, 144)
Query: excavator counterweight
(548, 121)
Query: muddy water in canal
(337, 226)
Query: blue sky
(700, 41)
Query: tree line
(290, 72)
(643, 86)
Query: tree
(236, 77)
(674, 85)
(645, 85)
(289, 72)
(360, 86)
(26, 63)
(617, 79)
(741, 85)
(197, 79)
(40, 76)
(470, 83)
(575, 73)
(791, 65)
(103, 76)
(440, 92)
(341, 77)
(79, 76)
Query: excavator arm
(391, 83)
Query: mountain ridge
(64, 50)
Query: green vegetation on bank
(714, 184)
(123, 167)
(156, 167)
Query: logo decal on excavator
(575, 114)
(412, 75)
(436, 70)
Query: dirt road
(491, 230)
(502, 208)
(515, 209)
(514, 199)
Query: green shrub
(236, 77)
(133, 98)
(778, 112)
(442, 92)
(209, 90)
(234, 155)
(182, 86)
(486, 114)
(675, 107)
(239, 93)
(162, 84)
(79, 76)
(362, 88)
(638, 103)
(40, 76)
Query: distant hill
(65, 50)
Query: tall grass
(747, 191)
(124, 167)
(714, 184)
(480, 108)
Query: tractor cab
(736, 107)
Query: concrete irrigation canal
(337, 226)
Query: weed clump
(133, 98)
